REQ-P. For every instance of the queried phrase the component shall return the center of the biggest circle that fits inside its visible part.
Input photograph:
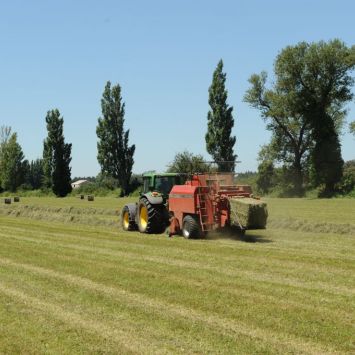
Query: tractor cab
(161, 183)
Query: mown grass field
(72, 282)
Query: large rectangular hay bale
(250, 213)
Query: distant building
(78, 183)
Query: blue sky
(59, 54)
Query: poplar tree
(219, 141)
(56, 156)
(12, 164)
(114, 153)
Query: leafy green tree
(347, 183)
(187, 162)
(115, 155)
(266, 176)
(321, 71)
(219, 141)
(291, 138)
(304, 109)
(34, 176)
(106, 181)
(12, 164)
(56, 156)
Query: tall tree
(56, 156)
(305, 107)
(321, 73)
(115, 155)
(219, 139)
(291, 138)
(12, 164)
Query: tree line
(51, 172)
(304, 108)
(115, 154)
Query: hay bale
(90, 198)
(250, 213)
(16, 199)
(7, 201)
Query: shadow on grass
(255, 239)
(238, 235)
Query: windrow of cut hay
(250, 213)
(302, 225)
(90, 216)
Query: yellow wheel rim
(143, 217)
(125, 220)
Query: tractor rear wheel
(127, 222)
(150, 217)
(190, 227)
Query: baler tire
(190, 227)
(126, 220)
(150, 217)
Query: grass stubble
(71, 281)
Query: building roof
(78, 182)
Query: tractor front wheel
(190, 227)
(150, 217)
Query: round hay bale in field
(7, 201)
(16, 199)
(91, 198)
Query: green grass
(313, 215)
(99, 202)
(335, 210)
(71, 281)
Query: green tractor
(150, 214)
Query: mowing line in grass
(196, 280)
(231, 327)
(95, 254)
(307, 285)
(131, 345)
(289, 292)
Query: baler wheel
(126, 221)
(190, 227)
(150, 217)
